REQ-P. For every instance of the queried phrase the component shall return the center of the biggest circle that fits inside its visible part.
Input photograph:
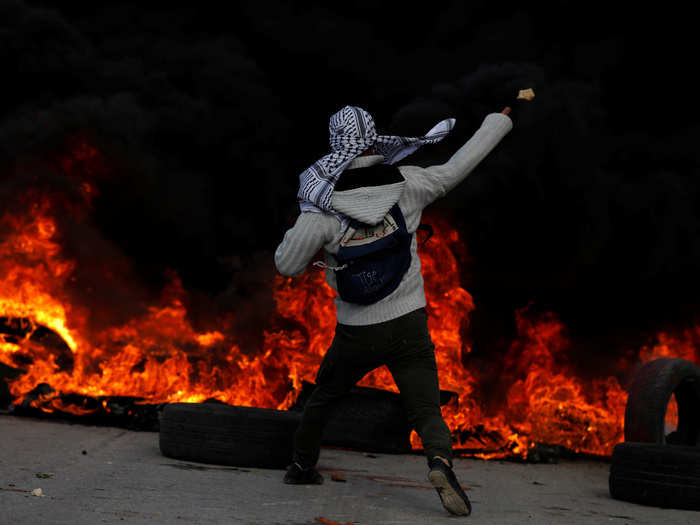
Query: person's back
(366, 191)
(392, 331)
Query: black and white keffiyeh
(352, 131)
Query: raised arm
(428, 184)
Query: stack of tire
(650, 467)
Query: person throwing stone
(365, 211)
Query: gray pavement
(123, 478)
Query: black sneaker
(299, 476)
(448, 488)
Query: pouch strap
(321, 264)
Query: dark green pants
(404, 345)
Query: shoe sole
(287, 482)
(292, 481)
(449, 497)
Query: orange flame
(160, 357)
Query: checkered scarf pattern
(352, 131)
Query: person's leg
(348, 359)
(415, 373)
(414, 370)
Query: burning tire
(649, 395)
(656, 474)
(228, 435)
(367, 419)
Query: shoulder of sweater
(410, 170)
(318, 221)
(316, 217)
(416, 175)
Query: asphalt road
(92, 475)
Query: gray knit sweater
(369, 205)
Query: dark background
(204, 116)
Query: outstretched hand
(506, 110)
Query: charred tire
(367, 419)
(649, 395)
(228, 435)
(657, 475)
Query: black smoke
(206, 114)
